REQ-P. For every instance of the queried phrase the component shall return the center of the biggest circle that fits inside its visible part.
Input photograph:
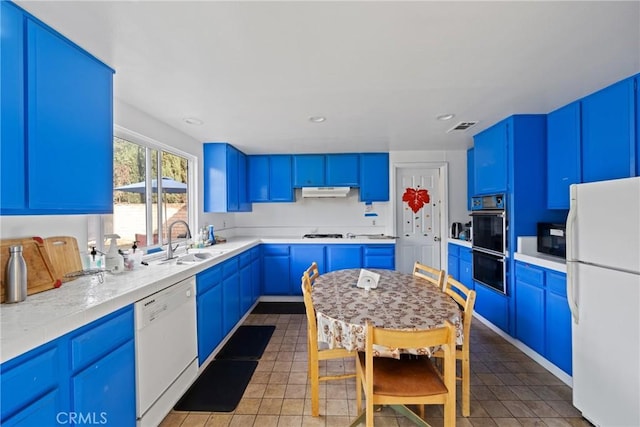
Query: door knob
(436, 239)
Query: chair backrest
(466, 298)
(431, 274)
(313, 272)
(443, 337)
(312, 325)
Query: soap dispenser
(114, 262)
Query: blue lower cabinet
(246, 290)
(492, 306)
(465, 268)
(558, 322)
(86, 375)
(26, 380)
(543, 319)
(275, 269)
(301, 257)
(230, 295)
(380, 256)
(104, 393)
(344, 256)
(209, 313)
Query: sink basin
(193, 257)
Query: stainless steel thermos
(16, 280)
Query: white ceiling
(380, 72)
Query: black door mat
(247, 342)
(219, 388)
(279, 308)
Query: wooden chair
(408, 381)
(466, 298)
(315, 355)
(313, 272)
(431, 274)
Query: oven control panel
(495, 201)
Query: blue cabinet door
(32, 377)
(492, 306)
(453, 267)
(246, 289)
(466, 273)
(106, 389)
(343, 170)
(255, 282)
(270, 178)
(301, 258)
(343, 256)
(43, 412)
(244, 205)
(259, 182)
(70, 122)
(209, 313)
(12, 150)
(563, 154)
(233, 181)
(308, 170)
(230, 294)
(558, 322)
(530, 315)
(275, 269)
(374, 177)
(280, 178)
(608, 133)
(490, 159)
(470, 177)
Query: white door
(418, 206)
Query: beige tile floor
(508, 388)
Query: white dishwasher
(166, 350)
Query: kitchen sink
(194, 257)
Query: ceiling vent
(462, 126)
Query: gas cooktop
(322, 236)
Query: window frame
(98, 227)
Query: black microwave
(552, 239)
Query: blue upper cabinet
(12, 148)
(563, 154)
(326, 170)
(270, 178)
(57, 106)
(490, 159)
(343, 170)
(225, 179)
(637, 96)
(374, 177)
(608, 133)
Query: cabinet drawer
(229, 267)
(557, 283)
(454, 250)
(275, 250)
(100, 337)
(28, 377)
(465, 254)
(208, 278)
(531, 275)
(379, 250)
(245, 258)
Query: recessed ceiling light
(317, 119)
(444, 117)
(193, 121)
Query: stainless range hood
(325, 191)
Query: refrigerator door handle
(571, 236)
(571, 286)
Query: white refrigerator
(603, 289)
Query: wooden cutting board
(41, 275)
(64, 255)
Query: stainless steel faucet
(351, 236)
(170, 248)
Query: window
(142, 208)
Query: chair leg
(466, 388)
(315, 388)
(450, 413)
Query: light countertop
(45, 316)
(527, 252)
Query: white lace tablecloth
(401, 301)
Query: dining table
(399, 301)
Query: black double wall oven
(489, 241)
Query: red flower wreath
(416, 198)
